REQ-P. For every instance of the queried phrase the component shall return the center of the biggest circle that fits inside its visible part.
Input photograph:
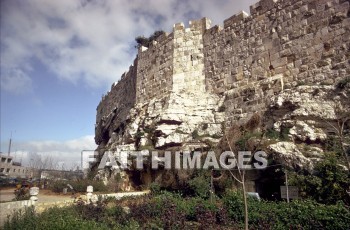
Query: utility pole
(9, 151)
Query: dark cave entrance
(269, 182)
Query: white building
(12, 169)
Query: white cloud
(67, 152)
(92, 41)
(16, 81)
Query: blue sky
(59, 57)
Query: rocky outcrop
(172, 121)
(288, 154)
(288, 62)
(309, 117)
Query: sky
(59, 57)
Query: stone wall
(188, 62)
(155, 69)
(115, 105)
(282, 44)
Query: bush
(171, 211)
(53, 218)
(295, 215)
(327, 184)
(233, 202)
(78, 186)
(200, 186)
(155, 188)
(146, 42)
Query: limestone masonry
(200, 80)
(284, 62)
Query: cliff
(288, 61)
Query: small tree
(342, 118)
(146, 42)
(327, 184)
(236, 139)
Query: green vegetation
(78, 185)
(172, 211)
(146, 42)
(282, 135)
(328, 183)
(200, 186)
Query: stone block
(279, 62)
(262, 6)
(235, 19)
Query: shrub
(78, 186)
(283, 135)
(171, 211)
(155, 188)
(295, 215)
(200, 186)
(272, 134)
(143, 41)
(92, 212)
(327, 184)
(58, 186)
(205, 215)
(52, 218)
(233, 202)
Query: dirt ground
(7, 194)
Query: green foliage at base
(200, 186)
(172, 211)
(299, 214)
(155, 188)
(328, 183)
(79, 186)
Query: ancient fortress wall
(118, 101)
(282, 44)
(155, 69)
(188, 62)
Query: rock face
(287, 61)
(310, 115)
(289, 154)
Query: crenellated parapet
(188, 57)
(280, 45)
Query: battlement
(262, 6)
(282, 44)
(235, 19)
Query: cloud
(91, 41)
(16, 81)
(66, 152)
